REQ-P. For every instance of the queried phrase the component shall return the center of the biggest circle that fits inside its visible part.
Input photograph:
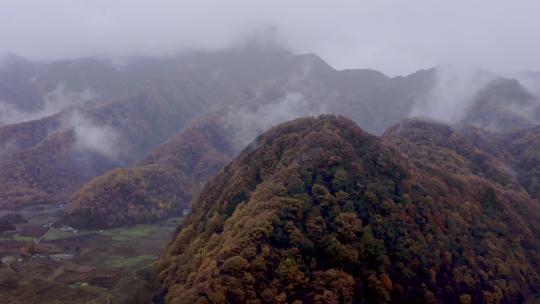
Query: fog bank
(395, 37)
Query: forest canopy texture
(318, 211)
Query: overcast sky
(396, 37)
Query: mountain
(133, 107)
(27, 86)
(318, 211)
(520, 149)
(507, 159)
(160, 186)
(530, 79)
(308, 86)
(47, 172)
(311, 87)
(451, 152)
(503, 104)
(16, 87)
(48, 159)
(376, 101)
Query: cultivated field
(45, 262)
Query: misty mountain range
(423, 186)
(269, 152)
(66, 122)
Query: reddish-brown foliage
(317, 211)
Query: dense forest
(160, 186)
(318, 211)
(269, 152)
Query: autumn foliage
(160, 186)
(318, 211)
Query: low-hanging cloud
(397, 37)
(531, 80)
(53, 102)
(248, 121)
(89, 137)
(453, 93)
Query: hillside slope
(318, 211)
(507, 158)
(136, 108)
(520, 148)
(47, 160)
(307, 86)
(160, 186)
(503, 104)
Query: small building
(69, 229)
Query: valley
(337, 157)
(78, 266)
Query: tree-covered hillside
(318, 211)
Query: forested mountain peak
(317, 211)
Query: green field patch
(39, 219)
(129, 262)
(131, 233)
(125, 251)
(120, 234)
(21, 238)
(57, 234)
(79, 285)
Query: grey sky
(396, 37)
